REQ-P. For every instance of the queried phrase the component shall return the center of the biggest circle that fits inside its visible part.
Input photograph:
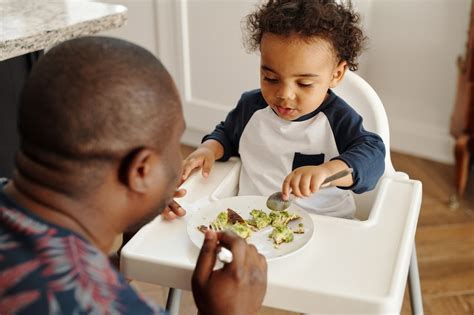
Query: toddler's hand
(201, 158)
(174, 210)
(304, 181)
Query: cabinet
(13, 74)
(462, 119)
(37, 27)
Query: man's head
(102, 114)
(305, 49)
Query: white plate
(243, 205)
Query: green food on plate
(260, 219)
(281, 234)
(279, 220)
(282, 218)
(241, 229)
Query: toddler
(294, 132)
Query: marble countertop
(31, 25)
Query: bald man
(100, 122)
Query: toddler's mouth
(284, 111)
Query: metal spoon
(276, 202)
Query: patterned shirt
(46, 269)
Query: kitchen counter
(32, 25)
(27, 28)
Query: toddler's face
(295, 74)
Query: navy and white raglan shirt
(271, 148)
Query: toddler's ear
(338, 74)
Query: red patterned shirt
(46, 269)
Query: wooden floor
(444, 240)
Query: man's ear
(139, 170)
(338, 74)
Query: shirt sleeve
(229, 131)
(132, 302)
(360, 149)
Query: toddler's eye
(271, 80)
(305, 85)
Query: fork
(212, 227)
(216, 227)
(223, 254)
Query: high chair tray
(347, 267)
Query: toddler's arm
(203, 157)
(359, 149)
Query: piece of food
(222, 218)
(282, 218)
(234, 217)
(231, 220)
(260, 219)
(299, 229)
(220, 222)
(228, 220)
(241, 229)
(281, 234)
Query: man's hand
(174, 210)
(239, 287)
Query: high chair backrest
(363, 98)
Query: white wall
(411, 61)
(141, 23)
(364, 8)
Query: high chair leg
(173, 301)
(416, 298)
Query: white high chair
(224, 183)
(363, 98)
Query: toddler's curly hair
(337, 23)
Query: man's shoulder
(51, 269)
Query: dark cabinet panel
(13, 74)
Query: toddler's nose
(285, 94)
